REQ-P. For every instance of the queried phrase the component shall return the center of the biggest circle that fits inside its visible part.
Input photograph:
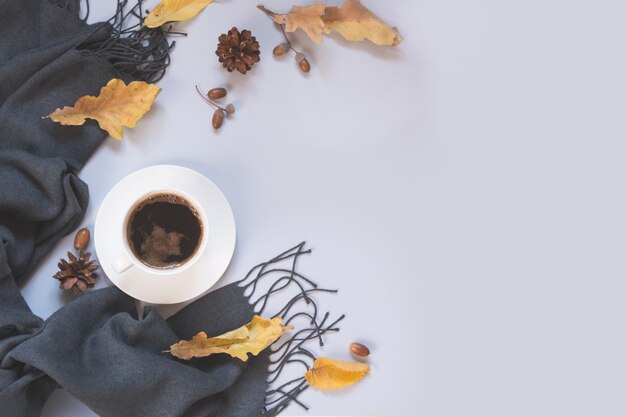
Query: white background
(464, 191)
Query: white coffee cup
(175, 284)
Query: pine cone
(238, 51)
(77, 274)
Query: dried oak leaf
(307, 18)
(252, 338)
(117, 105)
(174, 11)
(328, 374)
(355, 22)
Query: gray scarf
(96, 347)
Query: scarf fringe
(136, 51)
(292, 352)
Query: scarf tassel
(292, 353)
(136, 51)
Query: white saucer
(109, 236)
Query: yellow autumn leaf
(117, 105)
(328, 374)
(355, 22)
(308, 18)
(174, 11)
(252, 338)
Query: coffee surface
(164, 231)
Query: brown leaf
(328, 374)
(355, 22)
(307, 18)
(117, 105)
(252, 338)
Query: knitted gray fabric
(96, 347)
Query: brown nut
(303, 63)
(218, 118)
(217, 93)
(230, 108)
(81, 240)
(281, 49)
(359, 349)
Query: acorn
(218, 118)
(303, 63)
(359, 349)
(217, 93)
(280, 50)
(81, 240)
(230, 109)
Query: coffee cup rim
(192, 260)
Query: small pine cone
(238, 51)
(77, 274)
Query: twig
(205, 98)
(271, 14)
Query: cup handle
(122, 264)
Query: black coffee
(164, 231)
